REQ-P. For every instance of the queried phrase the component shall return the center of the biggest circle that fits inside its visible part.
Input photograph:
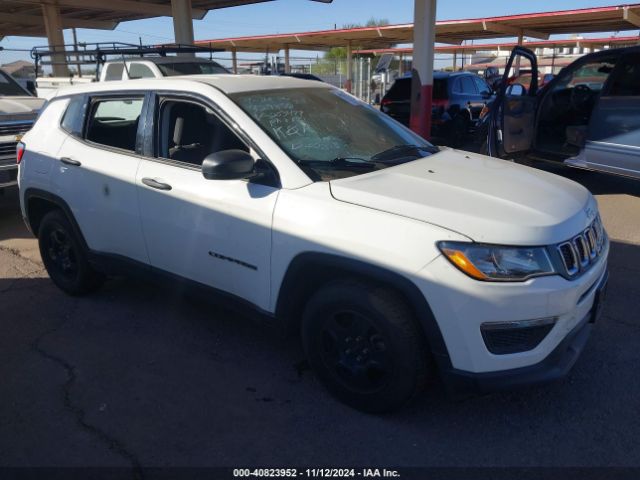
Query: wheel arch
(310, 270)
(40, 202)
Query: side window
(592, 75)
(627, 80)
(468, 86)
(482, 86)
(139, 70)
(457, 85)
(114, 72)
(114, 122)
(73, 117)
(188, 132)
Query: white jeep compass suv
(394, 259)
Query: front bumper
(555, 366)
(461, 306)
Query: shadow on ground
(139, 375)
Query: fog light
(515, 337)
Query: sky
(281, 16)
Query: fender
(308, 269)
(32, 193)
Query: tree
(340, 53)
(377, 22)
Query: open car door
(512, 116)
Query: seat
(576, 135)
(189, 136)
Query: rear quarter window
(114, 72)
(73, 117)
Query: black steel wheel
(364, 344)
(355, 351)
(63, 256)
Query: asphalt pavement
(138, 375)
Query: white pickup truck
(134, 68)
(18, 111)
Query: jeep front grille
(579, 253)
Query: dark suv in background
(458, 99)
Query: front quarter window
(331, 134)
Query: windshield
(9, 87)
(191, 68)
(331, 134)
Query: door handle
(150, 182)
(70, 161)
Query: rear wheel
(365, 346)
(64, 257)
(459, 130)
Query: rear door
(96, 174)
(397, 102)
(613, 138)
(512, 121)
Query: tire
(365, 346)
(459, 130)
(64, 258)
(484, 148)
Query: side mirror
(228, 165)
(516, 90)
(487, 94)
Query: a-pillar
(348, 83)
(55, 38)
(424, 36)
(182, 23)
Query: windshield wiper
(403, 151)
(345, 162)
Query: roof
(506, 46)
(444, 74)
(24, 17)
(167, 59)
(225, 82)
(535, 25)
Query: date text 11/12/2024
(315, 473)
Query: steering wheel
(580, 96)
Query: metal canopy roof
(612, 42)
(534, 25)
(24, 17)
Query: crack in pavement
(112, 443)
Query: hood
(24, 107)
(485, 199)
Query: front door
(613, 139)
(215, 232)
(512, 120)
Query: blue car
(458, 100)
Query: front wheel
(63, 256)
(364, 344)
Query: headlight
(498, 263)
